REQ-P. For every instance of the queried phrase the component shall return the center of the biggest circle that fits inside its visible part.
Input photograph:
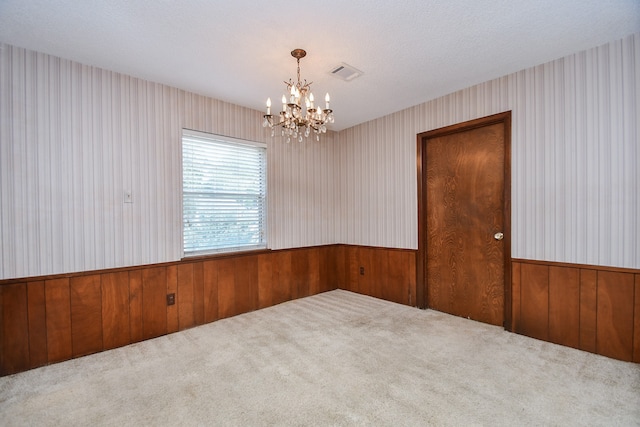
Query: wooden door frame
(421, 258)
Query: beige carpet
(337, 358)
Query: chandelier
(299, 116)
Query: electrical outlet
(171, 299)
(362, 271)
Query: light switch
(127, 196)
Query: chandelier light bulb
(268, 106)
(326, 100)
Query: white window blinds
(223, 194)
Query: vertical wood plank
(386, 286)
(330, 267)
(37, 324)
(265, 284)
(534, 301)
(58, 308)
(636, 321)
(564, 306)
(515, 296)
(198, 293)
(115, 310)
(353, 265)
(374, 276)
(86, 314)
(352, 269)
(411, 299)
(340, 277)
(135, 305)
(154, 302)
(172, 288)
(313, 278)
(588, 307)
(368, 260)
(226, 288)
(397, 287)
(381, 283)
(184, 299)
(15, 328)
(299, 273)
(3, 369)
(326, 266)
(210, 284)
(614, 316)
(366, 280)
(359, 260)
(281, 279)
(246, 284)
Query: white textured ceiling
(238, 51)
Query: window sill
(220, 255)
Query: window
(223, 194)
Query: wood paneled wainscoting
(50, 319)
(596, 309)
(384, 273)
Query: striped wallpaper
(575, 158)
(74, 138)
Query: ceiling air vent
(345, 72)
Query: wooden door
(464, 219)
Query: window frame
(226, 250)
